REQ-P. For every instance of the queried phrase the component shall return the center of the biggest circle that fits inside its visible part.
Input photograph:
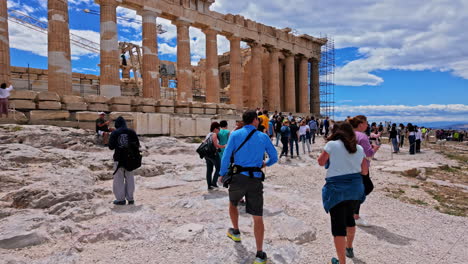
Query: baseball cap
(102, 113)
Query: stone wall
(37, 79)
(147, 116)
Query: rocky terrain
(56, 207)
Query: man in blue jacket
(248, 179)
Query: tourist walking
(401, 134)
(394, 138)
(360, 124)
(213, 160)
(124, 141)
(303, 130)
(313, 129)
(419, 138)
(411, 138)
(294, 137)
(343, 189)
(326, 125)
(4, 94)
(278, 125)
(285, 135)
(223, 136)
(248, 157)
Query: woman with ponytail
(343, 190)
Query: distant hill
(446, 125)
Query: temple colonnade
(293, 74)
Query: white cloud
(164, 48)
(391, 34)
(405, 113)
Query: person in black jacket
(120, 140)
(294, 138)
(394, 137)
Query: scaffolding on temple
(327, 78)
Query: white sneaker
(361, 222)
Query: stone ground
(56, 207)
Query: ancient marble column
(211, 70)
(236, 72)
(274, 95)
(304, 85)
(4, 44)
(289, 84)
(256, 89)
(59, 57)
(151, 85)
(314, 87)
(110, 78)
(184, 67)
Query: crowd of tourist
(236, 159)
(451, 135)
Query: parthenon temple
(279, 71)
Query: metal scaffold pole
(327, 78)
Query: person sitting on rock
(120, 140)
(247, 178)
(102, 128)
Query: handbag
(232, 169)
(368, 185)
(207, 148)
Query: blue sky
(396, 60)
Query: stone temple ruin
(279, 71)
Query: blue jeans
(395, 145)
(291, 144)
(412, 147)
(278, 137)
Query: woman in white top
(4, 94)
(303, 130)
(344, 189)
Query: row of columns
(60, 73)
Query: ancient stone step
(23, 95)
(49, 105)
(48, 115)
(96, 99)
(98, 107)
(75, 106)
(22, 104)
(47, 96)
(120, 108)
(72, 99)
(120, 100)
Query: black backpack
(130, 157)
(207, 148)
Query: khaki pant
(124, 184)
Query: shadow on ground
(381, 233)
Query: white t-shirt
(341, 161)
(303, 130)
(5, 93)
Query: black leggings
(285, 142)
(342, 216)
(368, 187)
(210, 163)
